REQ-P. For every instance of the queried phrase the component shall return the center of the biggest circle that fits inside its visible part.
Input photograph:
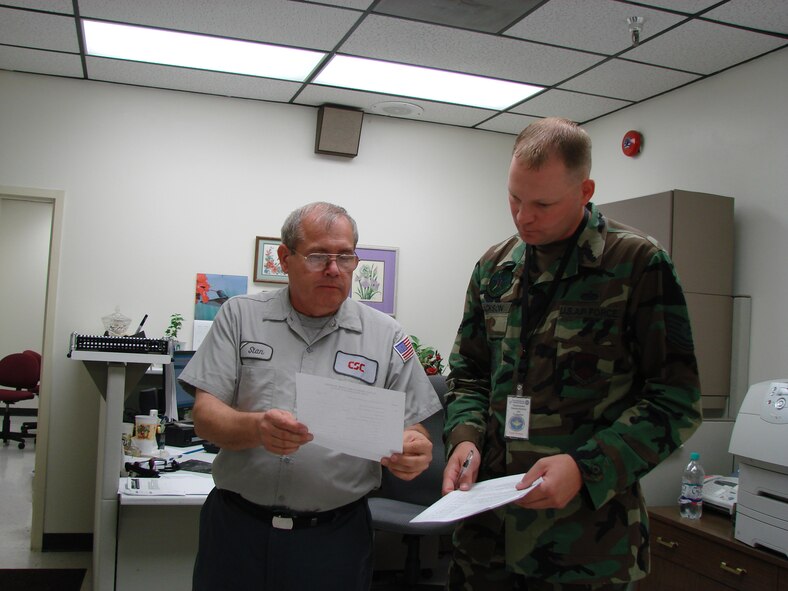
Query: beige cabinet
(696, 229)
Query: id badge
(518, 417)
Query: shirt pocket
(261, 388)
(496, 319)
(585, 358)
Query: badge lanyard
(518, 407)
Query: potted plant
(430, 359)
(176, 321)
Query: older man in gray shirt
(287, 514)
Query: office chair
(399, 501)
(28, 425)
(20, 372)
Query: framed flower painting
(375, 278)
(267, 267)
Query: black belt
(284, 518)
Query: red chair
(21, 372)
(27, 426)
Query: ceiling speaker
(338, 131)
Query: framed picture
(375, 278)
(266, 261)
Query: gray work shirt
(249, 360)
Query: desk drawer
(719, 562)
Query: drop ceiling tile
(38, 30)
(432, 111)
(508, 123)
(703, 47)
(490, 16)
(357, 4)
(35, 61)
(628, 81)
(564, 22)
(62, 6)
(571, 105)
(435, 46)
(767, 15)
(202, 81)
(685, 6)
(273, 21)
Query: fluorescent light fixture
(157, 46)
(426, 83)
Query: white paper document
(482, 496)
(351, 418)
(166, 486)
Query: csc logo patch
(356, 366)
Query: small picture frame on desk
(267, 268)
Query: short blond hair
(555, 136)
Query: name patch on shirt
(491, 308)
(356, 366)
(252, 350)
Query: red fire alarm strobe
(632, 142)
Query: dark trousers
(240, 551)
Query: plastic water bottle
(691, 499)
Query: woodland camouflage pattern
(613, 381)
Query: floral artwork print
(374, 281)
(267, 267)
(368, 286)
(271, 264)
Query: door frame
(57, 199)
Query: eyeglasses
(317, 261)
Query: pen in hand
(465, 465)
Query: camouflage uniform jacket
(613, 381)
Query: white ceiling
(581, 51)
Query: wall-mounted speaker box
(338, 131)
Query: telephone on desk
(720, 492)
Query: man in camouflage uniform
(589, 382)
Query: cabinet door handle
(738, 571)
(668, 543)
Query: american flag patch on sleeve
(404, 349)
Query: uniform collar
(348, 316)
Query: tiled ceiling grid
(580, 51)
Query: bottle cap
(694, 456)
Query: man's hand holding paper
(415, 457)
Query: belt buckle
(282, 522)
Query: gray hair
(554, 135)
(323, 212)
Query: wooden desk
(703, 554)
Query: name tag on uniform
(518, 417)
(250, 350)
(356, 366)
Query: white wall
(160, 186)
(726, 135)
(25, 227)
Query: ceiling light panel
(187, 50)
(414, 81)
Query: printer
(760, 441)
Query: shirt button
(309, 349)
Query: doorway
(30, 231)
